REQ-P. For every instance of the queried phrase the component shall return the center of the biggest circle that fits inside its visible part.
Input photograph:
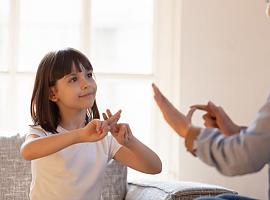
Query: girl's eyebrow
(75, 73)
(69, 75)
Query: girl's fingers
(98, 126)
(114, 118)
(105, 127)
(103, 134)
(115, 128)
(104, 116)
(129, 133)
(111, 118)
(116, 115)
(108, 112)
(121, 129)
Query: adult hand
(178, 121)
(216, 117)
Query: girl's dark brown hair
(53, 67)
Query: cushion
(171, 190)
(15, 172)
(115, 181)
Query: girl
(68, 145)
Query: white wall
(225, 57)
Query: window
(122, 35)
(45, 26)
(4, 11)
(128, 42)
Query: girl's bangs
(64, 60)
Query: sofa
(15, 178)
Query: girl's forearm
(147, 160)
(43, 146)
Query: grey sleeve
(239, 154)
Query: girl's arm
(139, 157)
(36, 147)
(133, 153)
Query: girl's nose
(84, 84)
(84, 87)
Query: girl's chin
(90, 104)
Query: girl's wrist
(130, 142)
(78, 135)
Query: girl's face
(75, 91)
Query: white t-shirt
(74, 173)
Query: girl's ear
(52, 95)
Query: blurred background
(194, 50)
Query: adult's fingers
(155, 89)
(208, 116)
(158, 96)
(210, 124)
(200, 107)
(213, 108)
(209, 121)
(190, 114)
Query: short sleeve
(36, 130)
(114, 146)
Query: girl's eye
(73, 79)
(90, 74)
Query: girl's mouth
(86, 95)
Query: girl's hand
(216, 117)
(121, 132)
(96, 129)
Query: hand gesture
(121, 132)
(96, 129)
(178, 121)
(216, 117)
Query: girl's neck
(71, 121)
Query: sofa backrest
(15, 173)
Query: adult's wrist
(191, 136)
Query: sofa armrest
(171, 190)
